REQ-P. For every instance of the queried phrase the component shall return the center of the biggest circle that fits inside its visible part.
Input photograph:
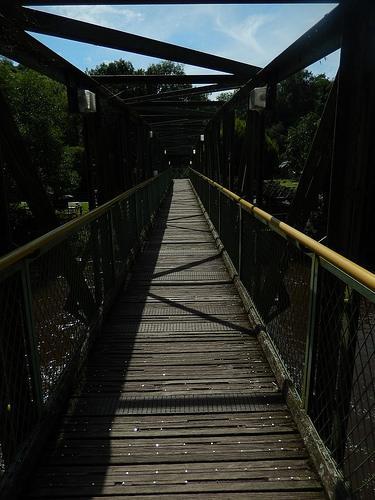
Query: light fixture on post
(86, 101)
(258, 99)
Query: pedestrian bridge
(178, 342)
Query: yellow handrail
(61, 232)
(357, 272)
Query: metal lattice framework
(318, 42)
(317, 313)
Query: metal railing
(318, 309)
(53, 293)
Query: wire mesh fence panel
(18, 402)
(230, 228)
(53, 299)
(342, 396)
(65, 302)
(215, 207)
(124, 233)
(322, 324)
(277, 277)
(202, 189)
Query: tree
(300, 94)
(165, 68)
(299, 142)
(122, 67)
(291, 128)
(119, 67)
(40, 108)
(225, 96)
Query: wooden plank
(178, 399)
(290, 495)
(299, 495)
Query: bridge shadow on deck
(178, 399)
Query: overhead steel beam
(318, 42)
(151, 119)
(183, 127)
(175, 130)
(26, 50)
(63, 27)
(180, 104)
(315, 175)
(169, 130)
(179, 121)
(206, 89)
(167, 2)
(130, 80)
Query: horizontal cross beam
(318, 42)
(25, 49)
(51, 24)
(168, 79)
(166, 2)
(179, 105)
(207, 89)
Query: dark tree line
(291, 125)
(54, 136)
(122, 67)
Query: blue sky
(250, 33)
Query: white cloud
(245, 31)
(254, 34)
(102, 15)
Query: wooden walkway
(178, 399)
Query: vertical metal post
(240, 228)
(106, 251)
(31, 338)
(97, 267)
(311, 326)
(5, 226)
(219, 215)
(209, 200)
(112, 246)
(137, 216)
(147, 191)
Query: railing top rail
(355, 271)
(56, 235)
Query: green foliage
(288, 183)
(300, 102)
(165, 68)
(225, 96)
(119, 67)
(299, 142)
(239, 127)
(122, 67)
(41, 111)
(300, 94)
(271, 155)
(68, 177)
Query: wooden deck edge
(330, 476)
(14, 480)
